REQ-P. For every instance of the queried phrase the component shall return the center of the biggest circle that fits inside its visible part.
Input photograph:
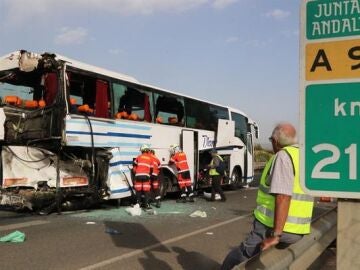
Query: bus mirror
(256, 131)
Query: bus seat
(13, 100)
(122, 115)
(85, 109)
(42, 103)
(159, 120)
(133, 116)
(72, 101)
(172, 120)
(31, 104)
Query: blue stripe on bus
(121, 190)
(96, 123)
(111, 134)
(123, 162)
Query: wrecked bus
(69, 133)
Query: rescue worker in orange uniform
(155, 183)
(143, 165)
(178, 157)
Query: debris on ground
(14, 237)
(134, 211)
(151, 212)
(112, 231)
(198, 213)
(207, 195)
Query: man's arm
(282, 204)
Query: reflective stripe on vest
(301, 204)
(213, 171)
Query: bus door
(249, 158)
(189, 146)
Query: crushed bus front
(38, 169)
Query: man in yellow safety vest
(283, 212)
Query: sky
(240, 53)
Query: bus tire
(165, 185)
(235, 179)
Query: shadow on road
(190, 260)
(136, 236)
(151, 262)
(125, 234)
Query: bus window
(132, 104)
(15, 94)
(169, 110)
(88, 95)
(241, 127)
(29, 90)
(202, 115)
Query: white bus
(69, 133)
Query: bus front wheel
(235, 179)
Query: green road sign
(331, 18)
(332, 138)
(330, 98)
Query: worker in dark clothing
(178, 157)
(216, 176)
(143, 165)
(155, 183)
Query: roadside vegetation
(261, 154)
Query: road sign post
(330, 111)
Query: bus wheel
(165, 185)
(235, 179)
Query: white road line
(22, 225)
(166, 242)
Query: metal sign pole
(348, 234)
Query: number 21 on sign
(318, 171)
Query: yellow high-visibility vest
(301, 204)
(213, 171)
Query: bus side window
(169, 110)
(83, 90)
(133, 104)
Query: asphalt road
(110, 238)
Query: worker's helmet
(174, 148)
(144, 148)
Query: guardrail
(301, 254)
(259, 165)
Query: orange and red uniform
(142, 168)
(180, 161)
(155, 172)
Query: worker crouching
(143, 165)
